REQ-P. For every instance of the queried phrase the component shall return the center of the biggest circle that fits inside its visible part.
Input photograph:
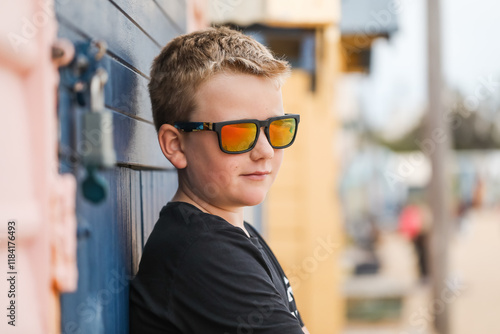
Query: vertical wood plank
(136, 234)
(117, 280)
(157, 189)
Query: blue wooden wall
(111, 234)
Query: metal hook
(102, 46)
(97, 89)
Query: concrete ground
(474, 295)
(475, 260)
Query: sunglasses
(241, 136)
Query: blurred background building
(386, 143)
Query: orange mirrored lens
(282, 131)
(238, 137)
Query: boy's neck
(233, 217)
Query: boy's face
(231, 181)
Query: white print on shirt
(288, 289)
(290, 296)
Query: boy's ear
(171, 145)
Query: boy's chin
(256, 199)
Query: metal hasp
(85, 78)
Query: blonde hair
(188, 60)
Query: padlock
(97, 149)
(85, 79)
(97, 131)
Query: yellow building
(302, 213)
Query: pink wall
(32, 193)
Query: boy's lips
(257, 175)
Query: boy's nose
(263, 149)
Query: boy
(217, 107)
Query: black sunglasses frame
(217, 127)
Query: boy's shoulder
(184, 235)
(181, 224)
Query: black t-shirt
(200, 274)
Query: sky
(471, 47)
(395, 94)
